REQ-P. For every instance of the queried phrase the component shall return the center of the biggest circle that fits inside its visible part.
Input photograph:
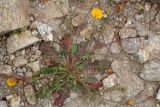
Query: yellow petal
(11, 82)
(97, 13)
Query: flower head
(97, 13)
(11, 82)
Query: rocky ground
(128, 37)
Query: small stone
(110, 81)
(12, 56)
(19, 41)
(3, 104)
(23, 52)
(147, 6)
(14, 100)
(158, 95)
(86, 32)
(45, 31)
(6, 69)
(34, 66)
(34, 33)
(78, 20)
(151, 71)
(28, 74)
(19, 61)
(30, 94)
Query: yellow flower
(97, 13)
(11, 82)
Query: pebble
(14, 100)
(30, 94)
(6, 69)
(19, 61)
(110, 81)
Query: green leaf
(73, 49)
(58, 85)
(45, 92)
(90, 79)
(49, 70)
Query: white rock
(20, 41)
(6, 69)
(158, 95)
(34, 66)
(14, 100)
(110, 81)
(45, 31)
(151, 71)
(30, 94)
(14, 15)
(19, 61)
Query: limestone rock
(14, 15)
(19, 61)
(6, 69)
(30, 94)
(20, 41)
(127, 79)
(151, 71)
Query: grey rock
(14, 15)
(3, 104)
(30, 94)
(6, 69)
(127, 79)
(19, 61)
(129, 44)
(151, 71)
(17, 42)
